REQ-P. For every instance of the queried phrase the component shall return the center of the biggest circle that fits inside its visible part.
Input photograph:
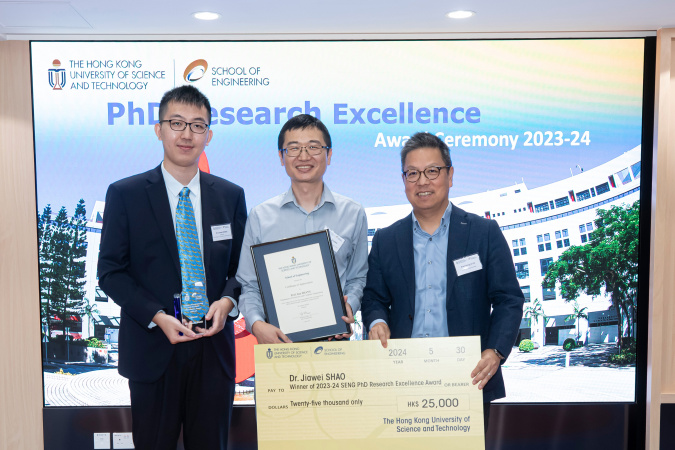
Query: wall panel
(661, 363)
(20, 366)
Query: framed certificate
(300, 286)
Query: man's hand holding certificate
(414, 393)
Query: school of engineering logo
(57, 76)
(195, 70)
(318, 350)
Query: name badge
(336, 240)
(467, 264)
(221, 232)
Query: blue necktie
(195, 305)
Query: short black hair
(188, 95)
(424, 140)
(301, 122)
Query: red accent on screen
(204, 163)
(243, 349)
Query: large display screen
(545, 137)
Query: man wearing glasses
(175, 229)
(418, 282)
(305, 151)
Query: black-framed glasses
(180, 125)
(431, 173)
(313, 150)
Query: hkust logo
(195, 70)
(57, 76)
(269, 353)
(293, 260)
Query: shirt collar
(444, 220)
(326, 196)
(174, 186)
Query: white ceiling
(336, 19)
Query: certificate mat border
(322, 238)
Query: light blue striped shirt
(282, 217)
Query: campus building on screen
(539, 224)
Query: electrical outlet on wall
(122, 440)
(101, 441)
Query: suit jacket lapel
(159, 202)
(404, 238)
(208, 215)
(458, 239)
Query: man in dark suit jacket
(442, 271)
(177, 375)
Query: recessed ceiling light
(460, 14)
(206, 15)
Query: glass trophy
(190, 308)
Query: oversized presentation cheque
(417, 393)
